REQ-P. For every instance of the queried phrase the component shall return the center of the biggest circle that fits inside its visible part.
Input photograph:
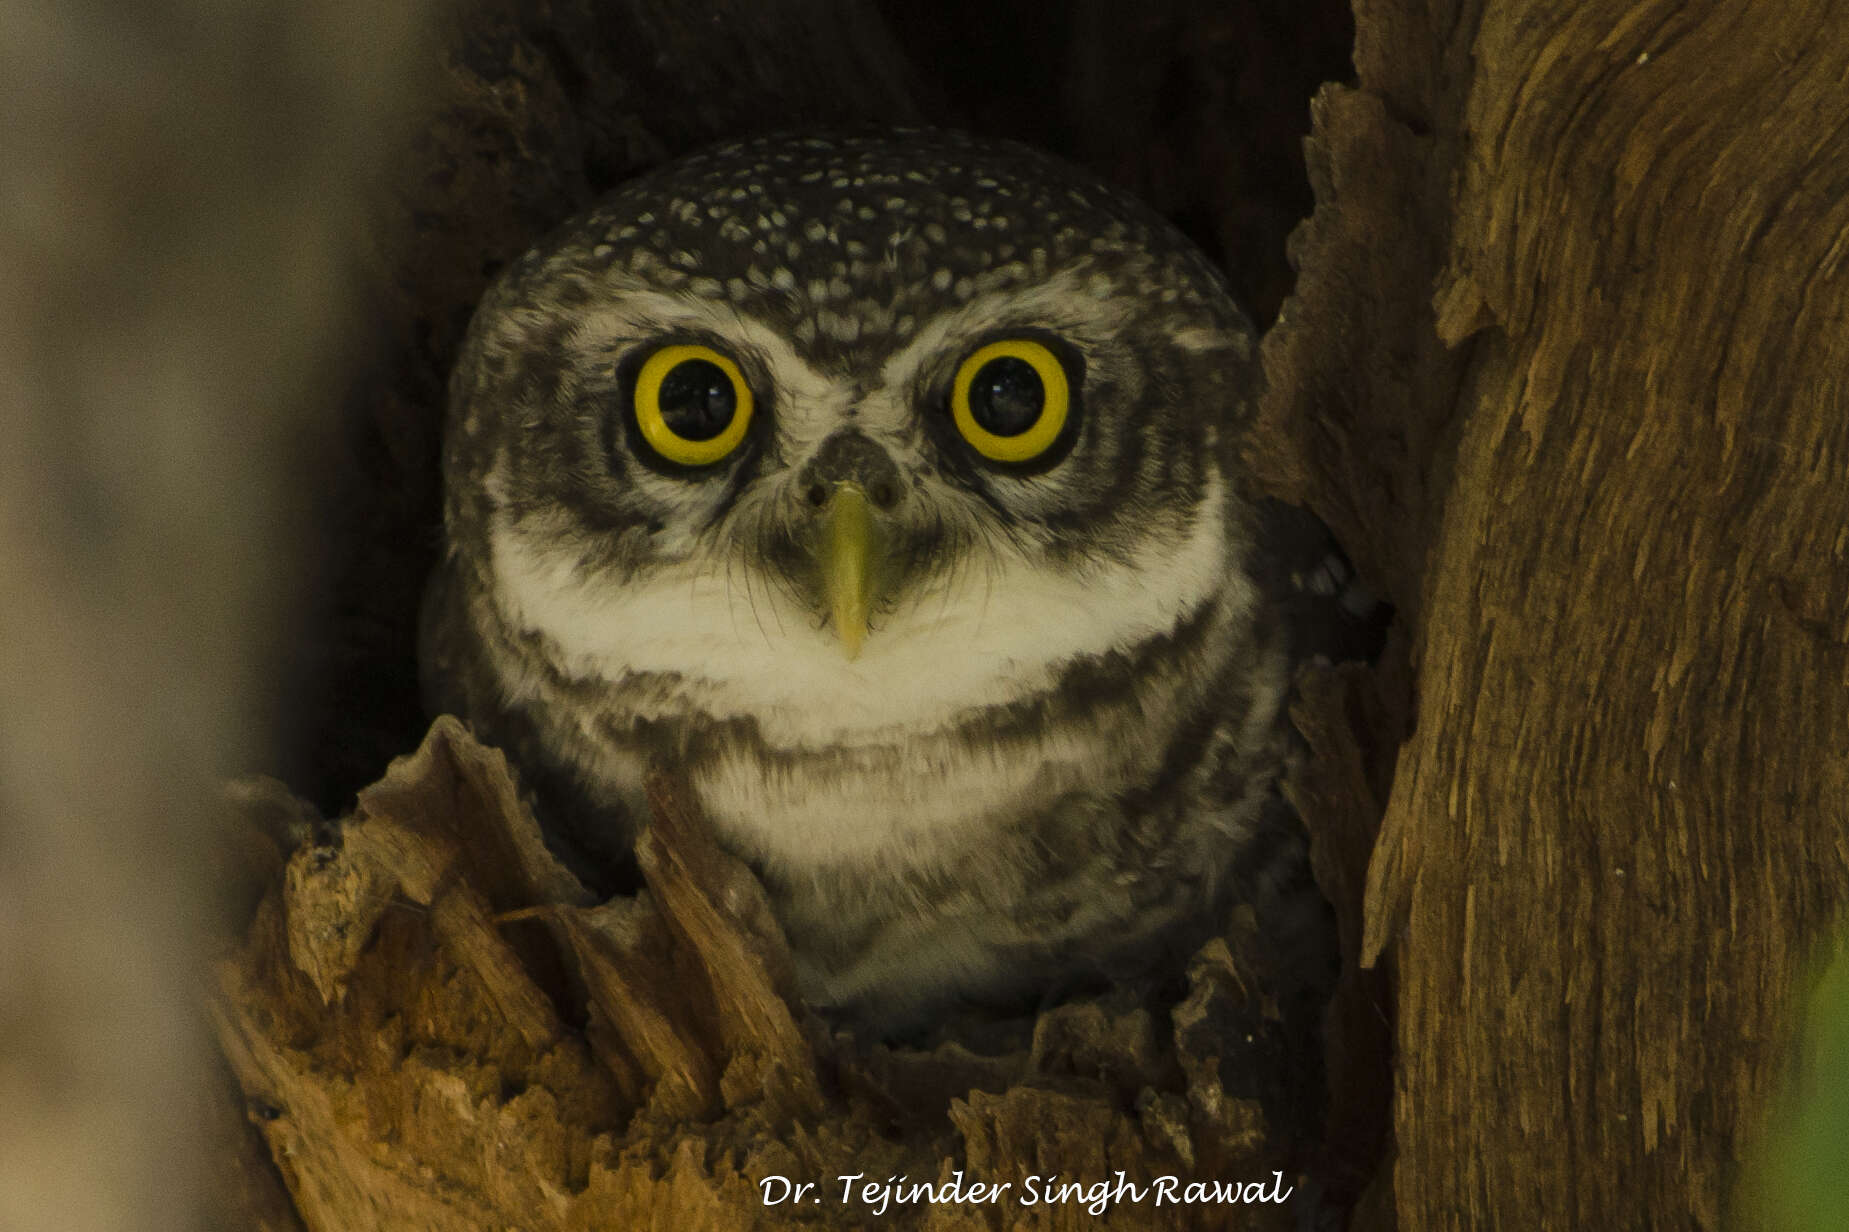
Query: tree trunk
(1576, 286)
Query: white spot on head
(839, 326)
(1202, 341)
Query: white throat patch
(741, 647)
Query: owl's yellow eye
(692, 404)
(1010, 400)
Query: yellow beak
(847, 560)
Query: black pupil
(1006, 396)
(697, 400)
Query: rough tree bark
(1576, 286)
(435, 1027)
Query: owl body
(884, 488)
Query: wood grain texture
(413, 1061)
(1617, 831)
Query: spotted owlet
(885, 488)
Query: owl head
(894, 412)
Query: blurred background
(181, 194)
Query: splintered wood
(436, 1027)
